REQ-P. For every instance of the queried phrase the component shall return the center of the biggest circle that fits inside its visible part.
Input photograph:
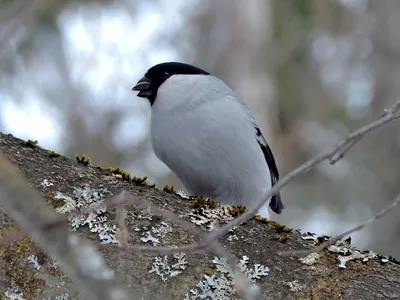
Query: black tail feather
(276, 204)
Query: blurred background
(311, 70)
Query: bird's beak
(144, 86)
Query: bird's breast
(213, 150)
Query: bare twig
(341, 153)
(334, 239)
(390, 115)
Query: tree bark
(256, 239)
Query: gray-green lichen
(166, 269)
(221, 286)
(84, 199)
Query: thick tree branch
(253, 239)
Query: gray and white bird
(208, 136)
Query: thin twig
(390, 115)
(333, 240)
(340, 154)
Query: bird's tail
(276, 204)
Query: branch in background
(341, 153)
(342, 235)
(78, 258)
(389, 115)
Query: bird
(208, 137)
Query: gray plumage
(210, 139)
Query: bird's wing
(276, 203)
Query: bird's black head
(148, 85)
